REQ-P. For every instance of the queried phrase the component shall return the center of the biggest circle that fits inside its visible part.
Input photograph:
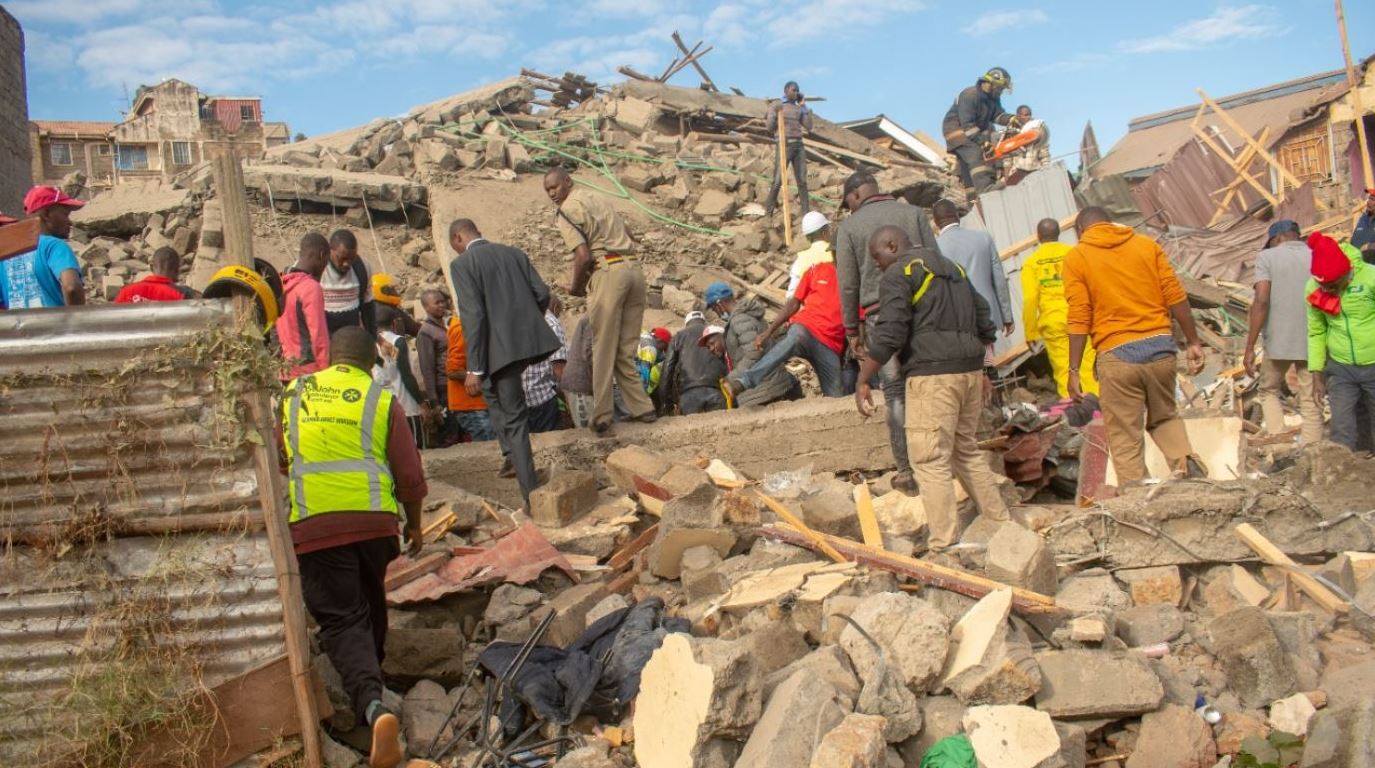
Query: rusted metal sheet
(519, 558)
(135, 554)
(1181, 193)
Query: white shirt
(387, 374)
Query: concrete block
(1292, 714)
(1158, 584)
(625, 464)
(912, 633)
(694, 691)
(856, 743)
(828, 662)
(640, 178)
(1088, 629)
(1258, 668)
(608, 605)
(566, 496)
(776, 741)
(701, 574)
(1011, 736)
(1150, 624)
(1174, 737)
(714, 205)
(635, 115)
(570, 608)
(1019, 558)
(832, 510)
(1079, 684)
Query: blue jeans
(477, 424)
(799, 342)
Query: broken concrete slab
(567, 496)
(885, 694)
(899, 514)
(1292, 714)
(856, 743)
(124, 211)
(1092, 591)
(570, 608)
(607, 606)
(425, 653)
(700, 573)
(342, 189)
(1246, 646)
(1148, 586)
(424, 715)
(912, 634)
(510, 603)
(1079, 684)
(777, 741)
(1088, 629)
(625, 464)
(665, 555)
(827, 662)
(976, 631)
(985, 667)
(1174, 737)
(1020, 558)
(831, 509)
(1011, 736)
(1150, 624)
(714, 205)
(691, 691)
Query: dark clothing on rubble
(745, 325)
(688, 367)
(931, 317)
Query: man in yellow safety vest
(352, 469)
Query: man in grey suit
(501, 303)
(975, 252)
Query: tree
(299, 136)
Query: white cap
(814, 221)
(694, 315)
(709, 331)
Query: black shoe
(601, 429)
(507, 469)
(906, 483)
(646, 418)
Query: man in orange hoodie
(1122, 292)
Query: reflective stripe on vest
(925, 281)
(351, 426)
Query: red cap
(6, 219)
(1330, 263)
(662, 335)
(1370, 191)
(39, 198)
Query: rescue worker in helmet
(968, 127)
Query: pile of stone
(797, 660)
(116, 234)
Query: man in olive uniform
(968, 127)
(606, 271)
(352, 469)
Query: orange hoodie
(1119, 286)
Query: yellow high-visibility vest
(335, 423)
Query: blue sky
(327, 66)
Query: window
(131, 158)
(246, 112)
(60, 154)
(104, 149)
(181, 153)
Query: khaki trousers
(615, 308)
(1272, 373)
(942, 424)
(1135, 394)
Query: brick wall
(15, 153)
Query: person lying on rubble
(1341, 338)
(347, 285)
(1044, 309)
(354, 474)
(692, 374)
(815, 331)
(161, 285)
(302, 329)
(936, 325)
(49, 275)
(1280, 312)
(1123, 292)
(745, 324)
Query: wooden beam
(1357, 108)
(1260, 150)
(1233, 188)
(953, 579)
(1274, 556)
(706, 79)
(868, 523)
(1242, 173)
(843, 152)
(626, 554)
(1027, 242)
(815, 539)
(19, 238)
(631, 73)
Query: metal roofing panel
(1010, 215)
(132, 517)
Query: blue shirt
(32, 280)
(1364, 234)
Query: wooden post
(1356, 105)
(1262, 151)
(1226, 157)
(238, 248)
(783, 181)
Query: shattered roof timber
(133, 519)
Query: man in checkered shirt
(541, 380)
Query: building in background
(170, 128)
(15, 149)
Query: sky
(324, 66)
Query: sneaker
(905, 482)
(386, 741)
(734, 385)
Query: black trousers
(344, 589)
(511, 421)
(544, 417)
(797, 157)
(975, 172)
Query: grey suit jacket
(501, 303)
(975, 251)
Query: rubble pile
(1168, 645)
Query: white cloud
(728, 25)
(997, 21)
(444, 39)
(1226, 24)
(817, 19)
(1076, 63)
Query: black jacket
(688, 364)
(501, 303)
(974, 112)
(744, 326)
(944, 331)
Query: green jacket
(1347, 337)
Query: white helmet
(814, 222)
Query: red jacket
(152, 288)
(302, 329)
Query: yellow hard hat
(384, 290)
(224, 283)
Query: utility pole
(1356, 105)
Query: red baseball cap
(7, 219)
(42, 197)
(662, 334)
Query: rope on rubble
(375, 247)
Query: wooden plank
(252, 712)
(868, 523)
(953, 579)
(843, 152)
(1246, 137)
(415, 569)
(706, 79)
(1027, 242)
(1226, 157)
(783, 182)
(626, 554)
(19, 238)
(816, 539)
(1274, 556)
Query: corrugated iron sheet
(1181, 193)
(1010, 215)
(124, 508)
